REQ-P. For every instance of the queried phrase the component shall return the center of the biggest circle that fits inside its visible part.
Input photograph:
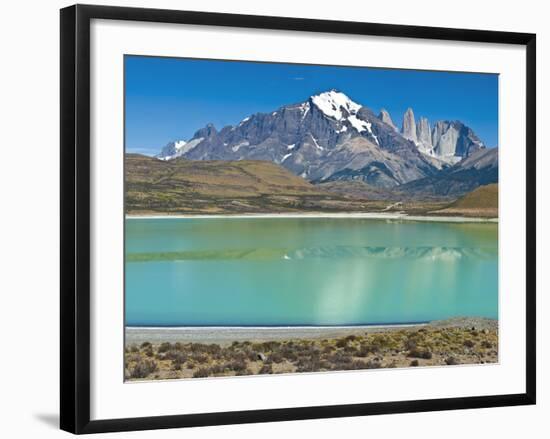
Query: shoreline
(228, 334)
(362, 215)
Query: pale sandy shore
(366, 215)
(227, 334)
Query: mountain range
(331, 138)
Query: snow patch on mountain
(362, 125)
(337, 105)
(178, 148)
(358, 124)
(236, 147)
(332, 102)
(316, 144)
(305, 109)
(178, 144)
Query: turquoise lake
(307, 271)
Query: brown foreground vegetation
(429, 345)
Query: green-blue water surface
(307, 271)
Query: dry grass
(481, 202)
(248, 186)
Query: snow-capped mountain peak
(329, 137)
(332, 102)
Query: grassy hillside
(248, 186)
(481, 202)
(484, 197)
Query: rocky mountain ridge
(447, 141)
(330, 137)
(478, 169)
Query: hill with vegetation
(481, 202)
(183, 186)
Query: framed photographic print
(268, 218)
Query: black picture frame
(75, 217)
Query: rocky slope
(478, 169)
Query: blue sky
(170, 98)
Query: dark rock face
(329, 138)
(478, 169)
